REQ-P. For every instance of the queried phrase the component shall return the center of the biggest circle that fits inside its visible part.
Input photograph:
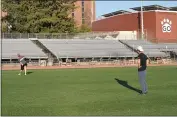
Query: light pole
(142, 24)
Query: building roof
(115, 13)
(173, 8)
(151, 7)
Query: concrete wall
(127, 35)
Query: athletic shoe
(143, 93)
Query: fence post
(66, 36)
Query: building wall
(94, 11)
(128, 22)
(78, 13)
(132, 22)
(89, 12)
(149, 21)
(125, 22)
(166, 36)
(3, 14)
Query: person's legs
(145, 84)
(142, 80)
(25, 68)
(20, 72)
(21, 69)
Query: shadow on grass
(29, 72)
(125, 84)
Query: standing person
(142, 65)
(23, 63)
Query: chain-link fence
(91, 35)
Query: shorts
(22, 66)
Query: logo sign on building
(166, 25)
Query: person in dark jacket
(142, 66)
(23, 63)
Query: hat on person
(140, 48)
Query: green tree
(37, 16)
(84, 28)
(4, 27)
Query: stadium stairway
(51, 56)
(155, 53)
(128, 46)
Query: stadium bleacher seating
(10, 48)
(151, 49)
(167, 46)
(78, 48)
(82, 48)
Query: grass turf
(89, 92)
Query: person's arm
(148, 60)
(21, 60)
(139, 63)
(21, 63)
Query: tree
(4, 27)
(38, 16)
(84, 28)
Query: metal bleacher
(10, 48)
(167, 46)
(151, 49)
(85, 48)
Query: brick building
(85, 12)
(3, 14)
(160, 23)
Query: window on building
(83, 21)
(83, 14)
(83, 11)
(72, 14)
(82, 3)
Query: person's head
(140, 49)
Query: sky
(103, 7)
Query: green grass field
(89, 92)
